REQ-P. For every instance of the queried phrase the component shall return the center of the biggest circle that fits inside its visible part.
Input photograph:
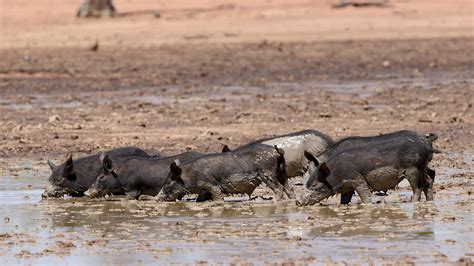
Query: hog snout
(312, 197)
(304, 200)
(53, 192)
(161, 197)
(92, 193)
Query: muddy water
(80, 231)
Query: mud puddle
(80, 231)
(367, 88)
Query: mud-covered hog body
(294, 145)
(369, 168)
(358, 141)
(235, 172)
(135, 176)
(74, 177)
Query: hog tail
(431, 137)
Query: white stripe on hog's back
(291, 146)
(294, 147)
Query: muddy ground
(169, 98)
(199, 94)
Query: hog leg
(289, 190)
(428, 189)
(276, 187)
(285, 183)
(216, 193)
(413, 176)
(134, 194)
(346, 197)
(204, 196)
(364, 191)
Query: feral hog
(369, 168)
(135, 176)
(235, 172)
(294, 145)
(74, 177)
(357, 141)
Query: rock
(95, 46)
(54, 119)
(62, 244)
(5, 236)
(17, 128)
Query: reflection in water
(371, 221)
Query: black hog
(235, 172)
(135, 176)
(357, 141)
(427, 183)
(74, 177)
(294, 145)
(373, 167)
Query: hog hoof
(145, 197)
(160, 199)
(299, 203)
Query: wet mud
(119, 231)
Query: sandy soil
(26, 24)
(210, 73)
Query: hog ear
(323, 172)
(107, 163)
(68, 170)
(226, 148)
(68, 165)
(176, 171)
(431, 173)
(175, 168)
(101, 157)
(281, 157)
(311, 158)
(51, 165)
(280, 151)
